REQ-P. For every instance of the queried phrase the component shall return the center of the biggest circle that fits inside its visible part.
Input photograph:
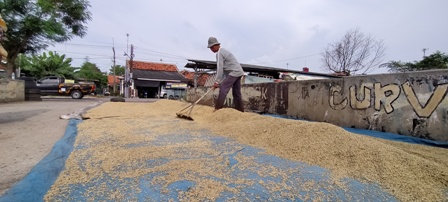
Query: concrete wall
(412, 104)
(12, 90)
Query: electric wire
(144, 54)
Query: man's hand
(216, 85)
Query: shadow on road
(10, 117)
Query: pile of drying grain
(410, 172)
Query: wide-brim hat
(212, 41)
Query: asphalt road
(28, 131)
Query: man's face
(214, 48)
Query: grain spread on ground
(108, 143)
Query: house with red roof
(151, 79)
(113, 81)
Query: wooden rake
(191, 106)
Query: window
(50, 80)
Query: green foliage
(34, 25)
(119, 70)
(437, 60)
(52, 64)
(90, 71)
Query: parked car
(53, 85)
(175, 94)
(163, 92)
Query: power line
(124, 45)
(96, 58)
(93, 44)
(87, 54)
(88, 45)
(153, 54)
(173, 56)
(158, 60)
(161, 53)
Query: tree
(355, 53)
(437, 60)
(34, 25)
(397, 66)
(119, 70)
(43, 65)
(90, 71)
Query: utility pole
(131, 60)
(129, 68)
(113, 49)
(126, 72)
(424, 52)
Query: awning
(145, 83)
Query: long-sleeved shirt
(227, 65)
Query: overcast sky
(284, 34)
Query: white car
(163, 92)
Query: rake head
(183, 116)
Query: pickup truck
(53, 85)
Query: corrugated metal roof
(206, 64)
(158, 76)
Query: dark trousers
(235, 84)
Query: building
(149, 79)
(254, 73)
(111, 82)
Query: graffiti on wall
(426, 110)
(384, 97)
(305, 93)
(336, 91)
(261, 97)
(263, 91)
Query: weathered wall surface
(12, 90)
(412, 104)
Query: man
(228, 75)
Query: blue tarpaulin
(301, 182)
(34, 185)
(384, 135)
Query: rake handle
(197, 101)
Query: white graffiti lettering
(263, 93)
(337, 106)
(426, 110)
(355, 103)
(386, 95)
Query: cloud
(288, 33)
